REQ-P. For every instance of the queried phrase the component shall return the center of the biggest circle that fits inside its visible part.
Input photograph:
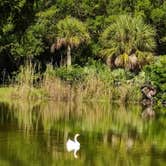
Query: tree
(15, 18)
(70, 33)
(128, 42)
(158, 16)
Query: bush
(92, 81)
(71, 75)
(120, 75)
(156, 74)
(95, 81)
(99, 70)
(76, 74)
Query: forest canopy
(28, 28)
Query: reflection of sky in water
(36, 134)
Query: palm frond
(127, 34)
(72, 32)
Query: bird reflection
(73, 145)
(148, 112)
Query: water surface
(36, 134)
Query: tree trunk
(68, 56)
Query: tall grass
(76, 83)
(26, 81)
(93, 82)
(54, 87)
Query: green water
(36, 134)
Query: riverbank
(92, 82)
(77, 83)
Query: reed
(88, 83)
(26, 83)
(54, 87)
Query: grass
(93, 82)
(5, 93)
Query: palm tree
(70, 33)
(128, 42)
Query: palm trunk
(68, 56)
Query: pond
(35, 133)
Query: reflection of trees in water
(121, 129)
(91, 117)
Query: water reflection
(36, 134)
(148, 112)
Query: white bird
(73, 145)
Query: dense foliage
(156, 73)
(27, 28)
(128, 42)
(54, 31)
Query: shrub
(120, 75)
(71, 75)
(156, 74)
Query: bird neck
(75, 138)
